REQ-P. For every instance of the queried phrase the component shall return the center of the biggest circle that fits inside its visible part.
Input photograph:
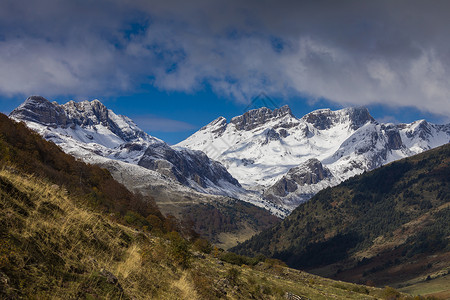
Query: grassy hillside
(391, 225)
(52, 246)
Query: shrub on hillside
(203, 245)
(179, 249)
(237, 259)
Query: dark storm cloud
(350, 52)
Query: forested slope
(385, 226)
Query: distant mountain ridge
(271, 150)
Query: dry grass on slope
(49, 245)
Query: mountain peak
(359, 116)
(85, 114)
(324, 119)
(40, 110)
(256, 117)
(217, 122)
(217, 126)
(284, 110)
(36, 99)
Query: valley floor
(438, 287)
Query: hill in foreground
(388, 226)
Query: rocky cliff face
(299, 184)
(308, 173)
(40, 110)
(185, 166)
(258, 117)
(323, 119)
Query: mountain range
(89, 130)
(269, 158)
(289, 159)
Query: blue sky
(173, 68)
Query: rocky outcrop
(271, 135)
(257, 117)
(394, 140)
(358, 117)
(183, 165)
(323, 119)
(310, 172)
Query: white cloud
(352, 53)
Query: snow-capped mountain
(90, 131)
(290, 159)
(279, 159)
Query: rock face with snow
(185, 166)
(258, 117)
(90, 131)
(308, 173)
(87, 122)
(290, 159)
